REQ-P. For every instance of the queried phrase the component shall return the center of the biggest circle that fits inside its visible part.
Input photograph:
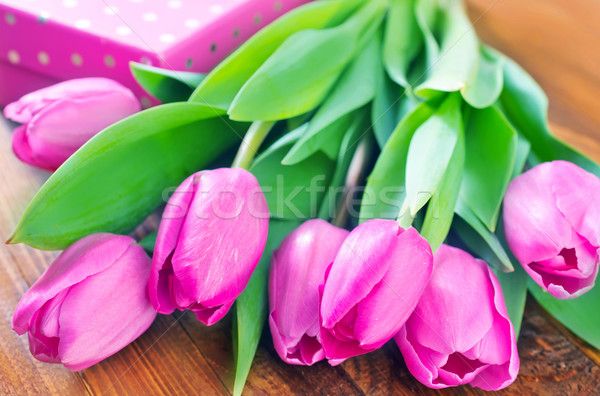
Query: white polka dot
(111, 10)
(174, 4)
(43, 17)
(70, 3)
(10, 18)
(216, 9)
(14, 57)
(192, 23)
(149, 17)
(109, 61)
(123, 31)
(83, 23)
(43, 58)
(166, 38)
(76, 59)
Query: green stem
(256, 134)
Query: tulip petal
(99, 316)
(60, 128)
(577, 192)
(392, 301)
(359, 266)
(81, 260)
(297, 269)
(534, 227)
(453, 317)
(214, 257)
(22, 150)
(169, 231)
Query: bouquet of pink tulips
(395, 178)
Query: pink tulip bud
(61, 118)
(372, 287)
(211, 236)
(459, 332)
(297, 270)
(91, 302)
(552, 225)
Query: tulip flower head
(61, 118)
(372, 287)
(552, 225)
(210, 239)
(78, 312)
(460, 332)
(297, 271)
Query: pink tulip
(211, 236)
(91, 302)
(297, 271)
(459, 332)
(372, 287)
(552, 225)
(61, 118)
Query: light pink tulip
(297, 270)
(61, 118)
(372, 287)
(459, 332)
(211, 236)
(552, 225)
(91, 302)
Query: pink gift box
(46, 41)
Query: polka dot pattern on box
(152, 23)
(103, 36)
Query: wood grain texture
(557, 42)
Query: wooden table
(558, 41)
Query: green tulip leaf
(580, 315)
(251, 307)
(347, 149)
(523, 150)
(166, 85)
(118, 178)
(402, 41)
(293, 191)
(354, 90)
(223, 83)
(484, 88)
(491, 146)
(477, 237)
(440, 210)
(385, 190)
(385, 107)
(455, 64)
(427, 15)
(526, 106)
(429, 153)
(289, 83)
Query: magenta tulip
(297, 270)
(211, 236)
(61, 118)
(460, 332)
(372, 287)
(90, 303)
(552, 225)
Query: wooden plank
(557, 42)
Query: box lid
(76, 38)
